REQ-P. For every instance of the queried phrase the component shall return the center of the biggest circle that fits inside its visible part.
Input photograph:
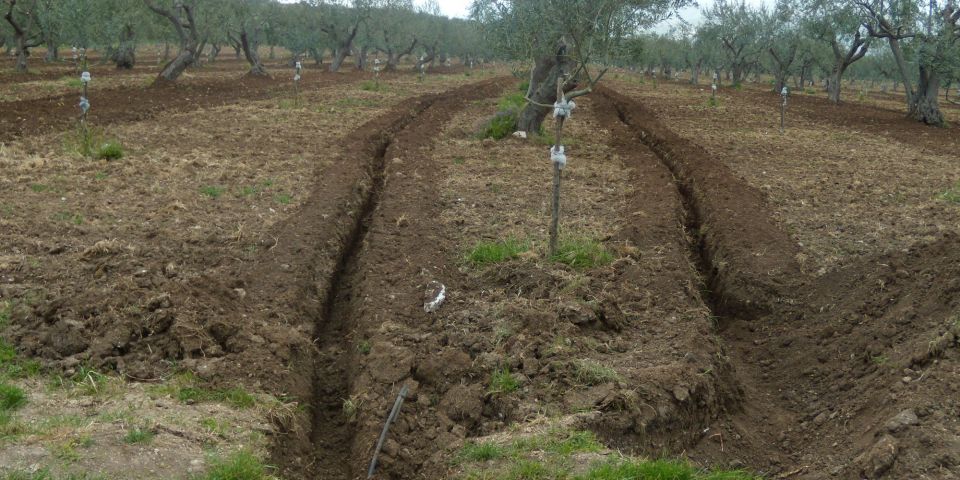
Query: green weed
(952, 195)
(502, 381)
(481, 452)
(364, 347)
(582, 253)
(138, 435)
(589, 372)
(212, 191)
(485, 252)
(283, 198)
(502, 125)
(11, 398)
(39, 187)
(110, 150)
(656, 470)
(240, 465)
(512, 101)
(371, 86)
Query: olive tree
(393, 30)
(564, 39)
(180, 14)
(839, 25)
(738, 28)
(23, 18)
(934, 30)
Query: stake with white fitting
(562, 109)
(783, 105)
(296, 82)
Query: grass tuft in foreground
(582, 253)
(557, 454)
(502, 381)
(485, 253)
(241, 465)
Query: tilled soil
(702, 337)
(849, 375)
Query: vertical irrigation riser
(783, 105)
(561, 112)
(84, 101)
(296, 83)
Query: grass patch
(10, 365)
(482, 452)
(74, 218)
(582, 253)
(241, 465)
(91, 142)
(110, 150)
(550, 455)
(485, 253)
(502, 125)
(502, 381)
(138, 435)
(283, 198)
(590, 372)
(656, 470)
(215, 426)
(512, 101)
(39, 187)
(186, 387)
(371, 86)
(952, 195)
(212, 191)
(11, 398)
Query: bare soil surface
(728, 308)
(837, 373)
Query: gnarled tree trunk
(343, 49)
(186, 28)
(926, 105)
(249, 43)
(542, 90)
(125, 56)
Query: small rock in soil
(879, 458)
(901, 421)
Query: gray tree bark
(186, 28)
(250, 44)
(125, 56)
(543, 90)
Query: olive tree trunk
(125, 56)
(542, 90)
(250, 44)
(186, 29)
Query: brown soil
(704, 336)
(815, 368)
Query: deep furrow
(331, 432)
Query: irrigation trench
(381, 238)
(340, 256)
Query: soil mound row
(751, 263)
(851, 375)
